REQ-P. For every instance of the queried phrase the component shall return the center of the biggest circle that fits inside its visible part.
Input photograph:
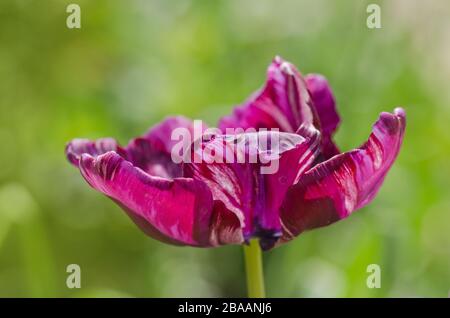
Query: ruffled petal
(283, 103)
(175, 211)
(325, 106)
(250, 174)
(78, 147)
(225, 226)
(153, 151)
(335, 188)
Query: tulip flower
(215, 201)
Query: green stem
(254, 270)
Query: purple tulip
(210, 203)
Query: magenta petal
(325, 106)
(175, 211)
(225, 226)
(283, 103)
(335, 188)
(77, 147)
(253, 189)
(292, 163)
(152, 152)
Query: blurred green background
(134, 62)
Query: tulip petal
(293, 161)
(152, 152)
(283, 103)
(250, 174)
(225, 226)
(335, 188)
(325, 106)
(175, 211)
(77, 147)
